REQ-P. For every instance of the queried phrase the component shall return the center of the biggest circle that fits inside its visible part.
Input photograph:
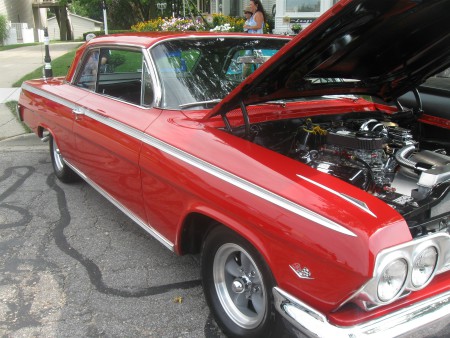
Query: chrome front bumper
(314, 324)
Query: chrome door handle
(78, 111)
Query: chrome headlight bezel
(367, 296)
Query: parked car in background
(311, 202)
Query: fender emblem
(303, 273)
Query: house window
(302, 5)
(204, 6)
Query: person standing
(247, 14)
(258, 19)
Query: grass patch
(8, 47)
(12, 106)
(60, 66)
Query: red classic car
(314, 197)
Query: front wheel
(238, 286)
(61, 169)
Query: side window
(88, 76)
(120, 74)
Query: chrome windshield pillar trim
(314, 324)
(150, 230)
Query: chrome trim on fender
(314, 324)
(209, 168)
(49, 96)
(222, 174)
(150, 230)
(357, 203)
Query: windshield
(198, 73)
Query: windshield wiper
(352, 98)
(199, 103)
(281, 103)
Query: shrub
(3, 29)
(221, 23)
(169, 25)
(116, 60)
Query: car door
(110, 123)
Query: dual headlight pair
(405, 268)
(393, 277)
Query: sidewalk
(14, 64)
(9, 126)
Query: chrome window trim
(157, 92)
(207, 167)
(77, 73)
(78, 70)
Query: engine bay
(373, 152)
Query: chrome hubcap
(59, 160)
(239, 286)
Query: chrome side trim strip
(150, 230)
(210, 169)
(355, 202)
(49, 96)
(314, 324)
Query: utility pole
(105, 21)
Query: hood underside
(382, 48)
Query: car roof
(147, 39)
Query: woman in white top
(256, 22)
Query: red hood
(386, 47)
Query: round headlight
(392, 280)
(423, 266)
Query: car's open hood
(385, 47)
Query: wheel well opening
(195, 229)
(40, 131)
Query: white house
(285, 12)
(80, 25)
(236, 7)
(303, 12)
(26, 17)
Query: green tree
(122, 14)
(88, 8)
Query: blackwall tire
(60, 168)
(238, 286)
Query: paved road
(72, 265)
(15, 63)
